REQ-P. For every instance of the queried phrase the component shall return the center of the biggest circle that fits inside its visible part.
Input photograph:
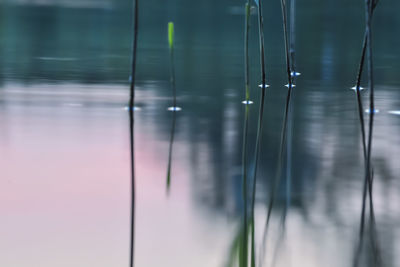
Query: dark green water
(64, 133)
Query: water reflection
(171, 143)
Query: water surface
(64, 134)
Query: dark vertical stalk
(244, 252)
(131, 128)
(260, 124)
(171, 142)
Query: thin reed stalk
(244, 249)
(131, 129)
(260, 124)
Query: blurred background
(64, 133)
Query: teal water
(64, 134)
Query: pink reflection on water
(64, 192)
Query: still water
(64, 134)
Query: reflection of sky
(65, 188)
